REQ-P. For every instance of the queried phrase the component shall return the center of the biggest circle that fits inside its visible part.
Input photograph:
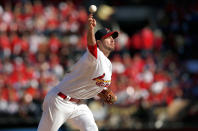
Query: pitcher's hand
(91, 22)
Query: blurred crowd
(37, 45)
(40, 42)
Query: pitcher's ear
(98, 42)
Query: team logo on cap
(108, 30)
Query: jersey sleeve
(93, 53)
(93, 50)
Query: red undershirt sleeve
(93, 50)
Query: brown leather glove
(107, 96)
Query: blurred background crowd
(155, 64)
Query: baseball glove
(107, 96)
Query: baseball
(92, 9)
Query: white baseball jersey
(88, 77)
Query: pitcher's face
(109, 43)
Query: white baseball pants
(56, 111)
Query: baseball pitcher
(89, 77)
